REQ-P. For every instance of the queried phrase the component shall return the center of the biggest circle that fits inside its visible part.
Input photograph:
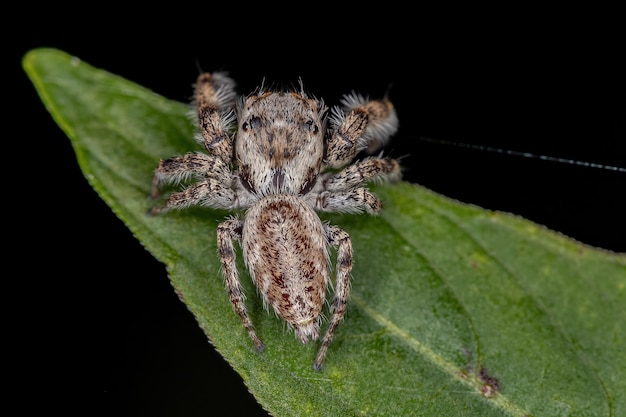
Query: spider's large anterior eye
(253, 123)
(311, 127)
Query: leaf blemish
(490, 386)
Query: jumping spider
(272, 154)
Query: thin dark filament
(522, 154)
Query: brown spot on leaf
(491, 385)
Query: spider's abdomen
(285, 249)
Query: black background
(96, 326)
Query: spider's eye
(311, 127)
(253, 123)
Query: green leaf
(454, 310)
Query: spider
(278, 157)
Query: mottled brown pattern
(209, 98)
(279, 136)
(295, 259)
(344, 145)
(276, 168)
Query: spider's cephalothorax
(287, 160)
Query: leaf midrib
(556, 324)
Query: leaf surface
(454, 310)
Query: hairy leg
(341, 240)
(227, 232)
(361, 172)
(362, 125)
(354, 200)
(187, 167)
(214, 99)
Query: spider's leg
(342, 192)
(382, 124)
(341, 240)
(353, 200)
(368, 169)
(361, 125)
(227, 232)
(187, 167)
(226, 193)
(214, 100)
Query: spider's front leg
(362, 125)
(215, 100)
